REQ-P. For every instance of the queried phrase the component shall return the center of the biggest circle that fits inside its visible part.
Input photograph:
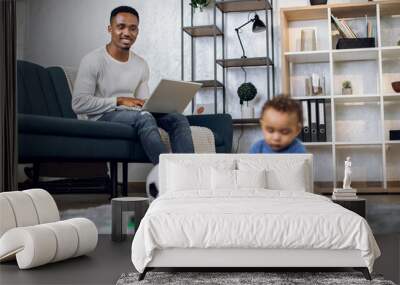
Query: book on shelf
(339, 26)
(306, 131)
(345, 191)
(313, 120)
(340, 197)
(348, 29)
(343, 28)
(336, 22)
(345, 194)
(321, 120)
(369, 27)
(369, 30)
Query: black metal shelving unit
(213, 30)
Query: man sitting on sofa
(112, 85)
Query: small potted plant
(247, 92)
(199, 4)
(398, 42)
(346, 88)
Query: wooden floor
(106, 264)
(103, 266)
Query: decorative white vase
(247, 112)
(308, 40)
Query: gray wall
(61, 32)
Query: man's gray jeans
(146, 124)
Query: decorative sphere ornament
(152, 183)
(246, 92)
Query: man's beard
(126, 48)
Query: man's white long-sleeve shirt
(101, 79)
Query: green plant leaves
(199, 4)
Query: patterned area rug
(244, 278)
(100, 216)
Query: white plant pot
(347, 91)
(247, 112)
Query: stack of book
(343, 194)
(345, 31)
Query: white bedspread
(256, 218)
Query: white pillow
(281, 178)
(282, 174)
(183, 178)
(226, 179)
(251, 178)
(188, 176)
(223, 179)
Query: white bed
(220, 211)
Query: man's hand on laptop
(130, 102)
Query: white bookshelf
(356, 98)
(355, 54)
(308, 56)
(359, 123)
(318, 144)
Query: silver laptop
(170, 96)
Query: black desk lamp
(258, 26)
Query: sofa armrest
(36, 124)
(220, 124)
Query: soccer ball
(152, 183)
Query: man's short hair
(123, 9)
(284, 104)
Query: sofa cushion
(220, 125)
(35, 124)
(43, 92)
(37, 147)
(219, 140)
(62, 91)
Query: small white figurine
(347, 173)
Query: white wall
(61, 32)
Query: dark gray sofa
(49, 131)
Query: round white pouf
(152, 177)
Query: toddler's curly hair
(285, 104)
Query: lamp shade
(258, 25)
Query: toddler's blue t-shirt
(262, 147)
